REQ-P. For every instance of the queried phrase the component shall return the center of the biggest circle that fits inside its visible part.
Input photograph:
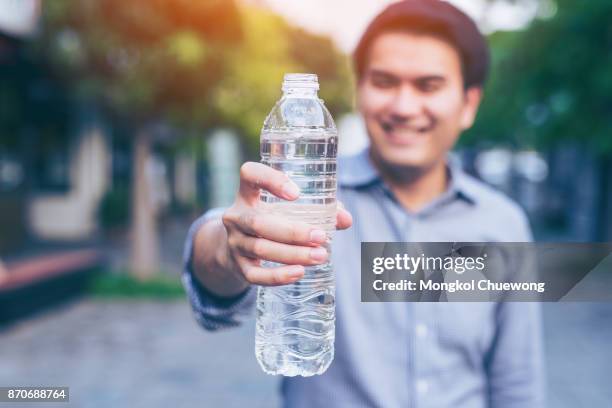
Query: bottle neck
(300, 92)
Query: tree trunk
(144, 235)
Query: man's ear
(473, 96)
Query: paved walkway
(151, 354)
(135, 354)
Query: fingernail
(318, 236)
(290, 190)
(295, 272)
(318, 254)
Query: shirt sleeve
(210, 311)
(515, 363)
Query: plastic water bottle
(296, 323)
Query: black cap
(434, 17)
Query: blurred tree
(319, 55)
(272, 48)
(248, 90)
(551, 83)
(148, 62)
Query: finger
(261, 248)
(278, 229)
(256, 176)
(344, 219)
(282, 275)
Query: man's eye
(383, 82)
(430, 86)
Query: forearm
(212, 266)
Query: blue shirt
(416, 355)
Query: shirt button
(421, 330)
(422, 386)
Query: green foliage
(255, 70)
(318, 54)
(146, 59)
(552, 81)
(124, 285)
(194, 64)
(271, 48)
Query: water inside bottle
(295, 323)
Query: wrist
(233, 283)
(213, 266)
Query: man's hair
(436, 18)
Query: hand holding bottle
(253, 235)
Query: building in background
(60, 159)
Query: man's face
(412, 98)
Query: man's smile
(406, 134)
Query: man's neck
(414, 188)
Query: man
(420, 67)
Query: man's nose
(406, 103)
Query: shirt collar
(358, 171)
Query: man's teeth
(389, 128)
(406, 131)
